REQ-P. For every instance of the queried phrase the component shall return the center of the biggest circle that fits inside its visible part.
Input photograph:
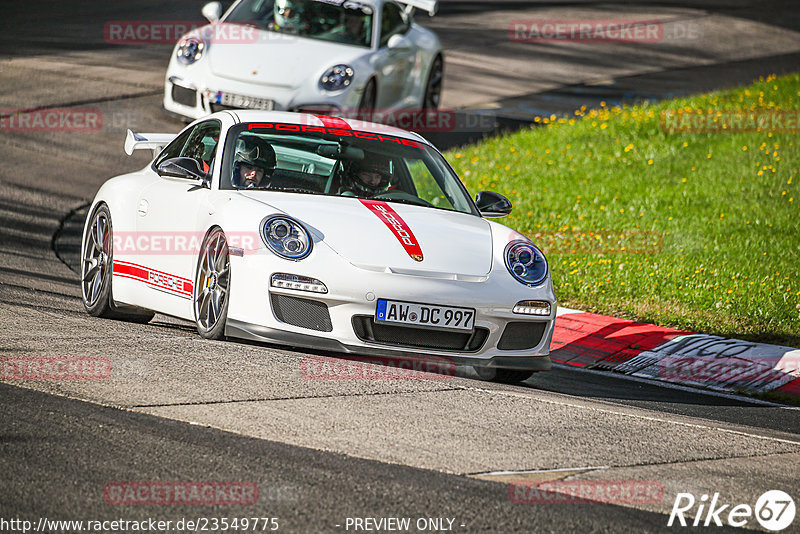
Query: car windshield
(342, 162)
(341, 21)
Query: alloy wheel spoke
(91, 271)
(96, 283)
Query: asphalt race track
(180, 408)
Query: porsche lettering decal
(280, 128)
(157, 279)
(397, 225)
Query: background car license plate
(410, 313)
(244, 102)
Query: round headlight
(526, 263)
(189, 50)
(286, 237)
(337, 78)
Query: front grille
(521, 335)
(366, 329)
(182, 95)
(304, 313)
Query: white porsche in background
(319, 232)
(325, 56)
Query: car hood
(278, 60)
(451, 243)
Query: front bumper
(353, 292)
(192, 99)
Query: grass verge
(692, 230)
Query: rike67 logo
(774, 511)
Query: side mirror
(397, 42)
(492, 204)
(186, 168)
(212, 11)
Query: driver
(253, 162)
(354, 28)
(288, 17)
(368, 178)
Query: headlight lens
(337, 78)
(526, 263)
(190, 49)
(286, 237)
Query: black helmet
(371, 164)
(254, 151)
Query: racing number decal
(397, 225)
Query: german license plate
(426, 315)
(243, 102)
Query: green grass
(691, 230)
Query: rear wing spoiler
(431, 6)
(154, 141)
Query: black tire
(433, 87)
(211, 286)
(366, 106)
(97, 264)
(504, 376)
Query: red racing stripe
(158, 279)
(397, 225)
(333, 122)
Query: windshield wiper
(294, 190)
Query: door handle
(143, 207)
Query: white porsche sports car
(320, 232)
(329, 56)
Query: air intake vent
(521, 335)
(305, 313)
(420, 338)
(182, 95)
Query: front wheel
(504, 376)
(366, 107)
(433, 89)
(211, 286)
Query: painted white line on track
(560, 469)
(636, 416)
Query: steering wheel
(402, 195)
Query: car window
(303, 159)
(393, 21)
(427, 188)
(174, 149)
(348, 22)
(202, 144)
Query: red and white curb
(645, 351)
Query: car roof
(332, 121)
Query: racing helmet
(288, 16)
(252, 150)
(371, 164)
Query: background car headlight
(189, 50)
(336, 78)
(286, 237)
(526, 263)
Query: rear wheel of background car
(96, 270)
(505, 376)
(433, 89)
(366, 106)
(211, 286)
